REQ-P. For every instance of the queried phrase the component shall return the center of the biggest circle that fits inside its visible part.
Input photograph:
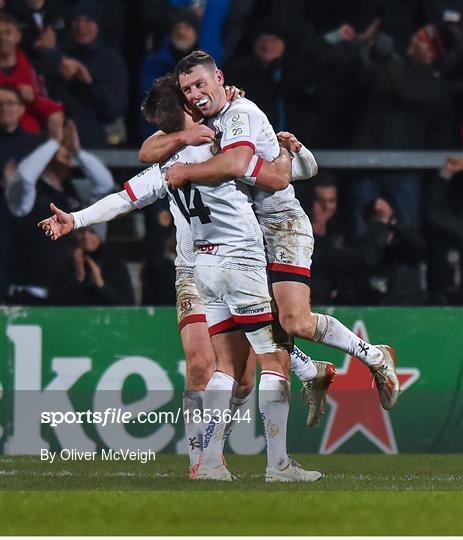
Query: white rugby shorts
(289, 246)
(238, 299)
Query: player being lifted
(245, 130)
(143, 190)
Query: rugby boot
(385, 378)
(215, 473)
(293, 472)
(315, 391)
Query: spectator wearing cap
(273, 77)
(90, 275)
(17, 71)
(182, 39)
(91, 79)
(47, 175)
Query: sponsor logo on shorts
(250, 311)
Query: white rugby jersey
(149, 186)
(242, 123)
(215, 223)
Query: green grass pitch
(359, 495)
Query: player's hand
(58, 225)
(452, 166)
(232, 93)
(289, 141)
(199, 134)
(177, 175)
(78, 257)
(96, 276)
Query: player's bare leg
(200, 364)
(231, 350)
(296, 317)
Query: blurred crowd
(363, 74)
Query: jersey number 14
(198, 209)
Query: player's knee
(200, 369)
(296, 325)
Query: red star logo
(355, 405)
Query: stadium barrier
(69, 360)
(330, 159)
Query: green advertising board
(79, 359)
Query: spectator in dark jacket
(444, 222)
(90, 275)
(405, 106)
(182, 39)
(391, 253)
(15, 143)
(334, 264)
(89, 78)
(275, 79)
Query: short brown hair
(164, 105)
(196, 58)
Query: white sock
(218, 395)
(237, 405)
(302, 365)
(332, 332)
(274, 409)
(192, 408)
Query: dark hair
(164, 104)
(195, 58)
(9, 19)
(323, 180)
(13, 90)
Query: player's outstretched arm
(61, 223)
(159, 146)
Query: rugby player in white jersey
(287, 230)
(143, 190)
